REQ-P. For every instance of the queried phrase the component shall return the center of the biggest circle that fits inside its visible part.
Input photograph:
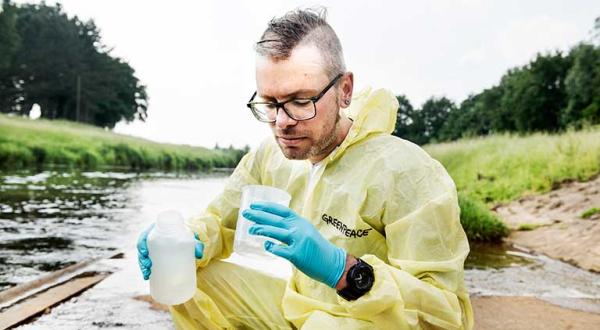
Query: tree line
(553, 92)
(60, 63)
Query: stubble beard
(315, 149)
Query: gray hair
(306, 26)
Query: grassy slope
(501, 168)
(25, 142)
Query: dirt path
(557, 228)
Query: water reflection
(495, 256)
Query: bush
(479, 222)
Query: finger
(278, 250)
(145, 271)
(274, 208)
(145, 262)
(280, 234)
(199, 250)
(264, 218)
(142, 245)
(146, 274)
(199, 247)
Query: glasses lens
(264, 112)
(300, 109)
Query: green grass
(501, 168)
(528, 226)
(589, 213)
(479, 223)
(29, 143)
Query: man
(373, 227)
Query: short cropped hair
(303, 26)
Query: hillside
(35, 143)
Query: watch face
(363, 278)
(360, 280)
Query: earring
(347, 102)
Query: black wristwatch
(359, 281)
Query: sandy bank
(557, 228)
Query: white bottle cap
(169, 220)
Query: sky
(197, 59)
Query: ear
(346, 87)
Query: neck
(341, 132)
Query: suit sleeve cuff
(383, 295)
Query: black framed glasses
(298, 109)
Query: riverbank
(563, 224)
(40, 143)
(493, 170)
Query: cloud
(522, 39)
(474, 56)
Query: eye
(300, 102)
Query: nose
(282, 120)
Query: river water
(52, 219)
(55, 218)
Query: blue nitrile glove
(305, 247)
(144, 259)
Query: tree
(434, 113)
(9, 43)
(423, 125)
(62, 65)
(535, 93)
(479, 114)
(409, 123)
(9, 38)
(461, 120)
(403, 116)
(583, 87)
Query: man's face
(302, 75)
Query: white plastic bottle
(171, 249)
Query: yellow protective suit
(379, 197)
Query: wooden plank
(21, 290)
(11, 296)
(40, 302)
